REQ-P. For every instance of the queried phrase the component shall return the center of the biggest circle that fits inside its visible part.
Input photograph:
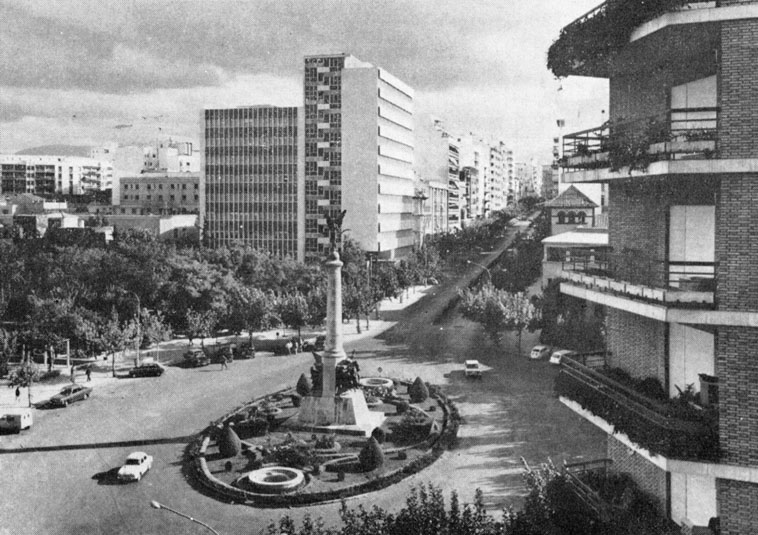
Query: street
(53, 474)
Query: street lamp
(485, 268)
(156, 505)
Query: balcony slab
(667, 167)
(747, 474)
(662, 312)
(696, 16)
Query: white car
(558, 356)
(539, 352)
(472, 369)
(136, 466)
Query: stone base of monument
(345, 414)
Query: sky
(88, 72)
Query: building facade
(159, 193)
(51, 175)
(680, 285)
(358, 156)
(253, 187)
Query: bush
(325, 442)
(296, 400)
(49, 376)
(402, 407)
(379, 435)
(229, 444)
(303, 387)
(418, 391)
(371, 456)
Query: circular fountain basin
(275, 479)
(377, 381)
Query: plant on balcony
(596, 38)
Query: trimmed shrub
(303, 387)
(418, 391)
(402, 407)
(296, 400)
(371, 456)
(379, 434)
(229, 444)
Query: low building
(168, 228)
(161, 193)
(569, 210)
(585, 246)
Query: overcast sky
(130, 71)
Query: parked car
(196, 357)
(70, 394)
(558, 356)
(137, 464)
(147, 369)
(218, 352)
(14, 420)
(315, 344)
(245, 350)
(472, 368)
(539, 352)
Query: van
(14, 420)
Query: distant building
(253, 190)
(358, 155)
(569, 210)
(164, 227)
(159, 193)
(172, 156)
(51, 175)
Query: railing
(574, 472)
(673, 429)
(635, 275)
(680, 131)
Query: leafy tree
(520, 313)
(251, 309)
(293, 311)
(153, 328)
(116, 336)
(200, 325)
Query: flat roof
(584, 239)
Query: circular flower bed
(274, 479)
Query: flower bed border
(446, 439)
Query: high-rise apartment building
(680, 159)
(358, 155)
(49, 175)
(253, 189)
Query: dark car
(245, 350)
(316, 344)
(70, 394)
(148, 369)
(196, 357)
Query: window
(571, 218)
(561, 218)
(581, 218)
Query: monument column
(333, 350)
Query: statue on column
(334, 228)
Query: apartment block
(49, 175)
(358, 156)
(680, 282)
(159, 193)
(253, 189)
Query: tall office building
(253, 178)
(358, 155)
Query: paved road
(50, 484)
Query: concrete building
(172, 156)
(358, 155)
(253, 191)
(159, 193)
(680, 284)
(474, 161)
(569, 210)
(50, 175)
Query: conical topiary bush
(229, 444)
(418, 391)
(371, 456)
(303, 385)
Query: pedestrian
(88, 372)
(18, 394)
(288, 347)
(224, 365)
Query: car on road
(147, 369)
(558, 356)
(70, 394)
(315, 344)
(539, 352)
(137, 464)
(196, 357)
(472, 368)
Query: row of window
(148, 187)
(157, 197)
(571, 218)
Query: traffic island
(252, 456)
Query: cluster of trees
(138, 290)
(571, 322)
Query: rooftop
(571, 198)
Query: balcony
(682, 133)
(630, 275)
(670, 428)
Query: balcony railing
(674, 283)
(680, 133)
(576, 474)
(673, 429)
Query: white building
(49, 175)
(358, 155)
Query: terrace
(681, 133)
(671, 428)
(630, 275)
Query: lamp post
(485, 268)
(156, 505)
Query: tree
(200, 325)
(293, 311)
(251, 309)
(117, 336)
(153, 328)
(520, 313)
